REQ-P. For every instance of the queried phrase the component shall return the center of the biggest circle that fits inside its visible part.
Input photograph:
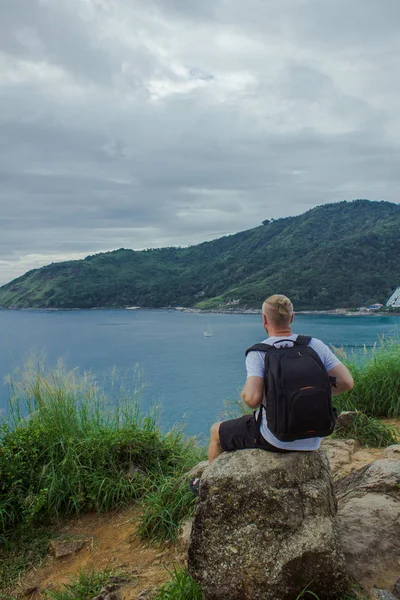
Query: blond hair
(278, 309)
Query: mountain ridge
(334, 255)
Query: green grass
(368, 432)
(86, 586)
(376, 376)
(165, 508)
(21, 551)
(65, 450)
(181, 587)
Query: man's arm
(253, 391)
(344, 380)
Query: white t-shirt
(255, 368)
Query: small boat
(208, 333)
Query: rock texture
(185, 531)
(111, 591)
(265, 528)
(339, 452)
(382, 595)
(198, 470)
(393, 452)
(65, 547)
(346, 418)
(396, 589)
(369, 522)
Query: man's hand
(344, 380)
(253, 391)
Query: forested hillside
(335, 255)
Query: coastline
(336, 312)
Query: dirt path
(110, 542)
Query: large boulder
(369, 522)
(265, 528)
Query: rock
(104, 595)
(382, 595)
(197, 471)
(346, 418)
(111, 590)
(135, 471)
(30, 591)
(265, 528)
(65, 547)
(396, 589)
(393, 451)
(369, 521)
(339, 452)
(381, 477)
(184, 534)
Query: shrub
(65, 449)
(376, 376)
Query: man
(237, 434)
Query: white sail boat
(208, 333)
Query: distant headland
(332, 257)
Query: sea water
(188, 375)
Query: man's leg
(215, 448)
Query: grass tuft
(165, 508)
(368, 431)
(181, 587)
(85, 587)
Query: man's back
(255, 365)
(244, 432)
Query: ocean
(188, 375)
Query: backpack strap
(259, 348)
(303, 340)
(282, 340)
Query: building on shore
(376, 306)
(394, 300)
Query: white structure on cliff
(394, 300)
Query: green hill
(335, 255)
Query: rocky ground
(110, 540)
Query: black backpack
(297, 391)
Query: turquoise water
(187, 374)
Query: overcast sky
(146, 123)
